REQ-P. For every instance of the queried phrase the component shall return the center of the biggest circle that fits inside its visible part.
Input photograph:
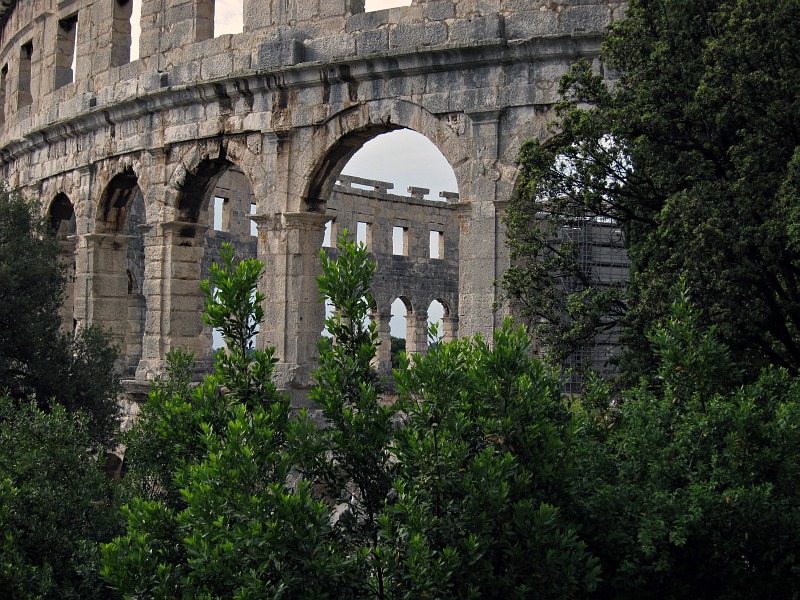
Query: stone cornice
(305, 75)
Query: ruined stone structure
(128, 157)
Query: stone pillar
(294, 317)
(450, 326)
(417, 337)
(152, 25)
(173, 256)
(384, 356)
(259, 14)
(66, 257)
(171, 24)
(107, 284)
(184, 246)
(478, 239)
(156, 268)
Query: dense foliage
(215, 511)
(691, 486)
(479, 481)
(694, 150)
(37, 360)
(58, 413)
(56, 505)
(232, 498)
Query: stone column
(294, 317)
(417, 327)
(173, 254)
(153, 289)
(66, 257)
(478, 239)
(184, 246)
(450, 326)
(384, 356)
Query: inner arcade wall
(126, 156)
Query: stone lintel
(418, 192)
(451, 197)
(98, 239)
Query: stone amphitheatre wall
(127, 156)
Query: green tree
(58, 412)
(695, 151)
(213, 512)
(36, 359)
(484, 464)
(350, 457)
(691, 489)
(56, 505)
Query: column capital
(97, 239)
(186, 229)
(305, 220)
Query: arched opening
(116, 259)
(406, 160)
(398, 326)
(63, 224)
(439, 315)
(394, 189)
(214, 208)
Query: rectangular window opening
(364, 234)
(3, 86)
(228, 17)
(253, 224)
(24, 97)
(126, 31)
(135, 25)
(437, 244)
(220, 204)
(400, 241)
(327, 239)
(66, 41)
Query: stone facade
(127, 157)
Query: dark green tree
(690, 488)
(36, 359)
(484, 465)
(350, 457)
(694, 150)
(56, 505)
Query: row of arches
(137, 274)
(108, 268)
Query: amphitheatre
(129, 158)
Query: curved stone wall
(140, 149)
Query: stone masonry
(128, 158)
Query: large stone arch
(114, 262)
(334, 142)
(293, 237)
(188, 241)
